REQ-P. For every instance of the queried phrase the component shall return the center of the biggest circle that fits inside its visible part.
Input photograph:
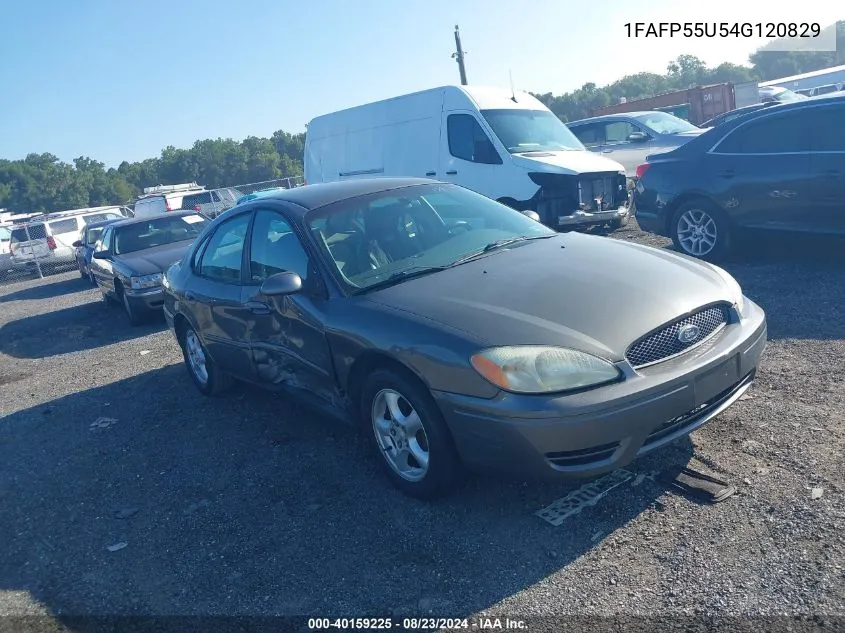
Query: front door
(213, 296)
(617, 145)
(287, 336)
(469, 158)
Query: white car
(48, 240)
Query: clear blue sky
(119, 80)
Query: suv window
(275, 248)
(59, 227)
(828, 131)
(190, 202)
(92, 235)
(773, 134)
(221, 260)
(468, 141)
(32, 232)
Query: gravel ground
(250, 505)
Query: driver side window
(468, 141)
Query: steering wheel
(461, 226)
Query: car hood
(569, 162)
(154, 260)
(591, 293)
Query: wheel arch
(368, 362)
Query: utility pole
(459, 56)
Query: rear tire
(204, 372)
(700, 229)
(413, 444)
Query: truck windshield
(531, 131)
(665, 123)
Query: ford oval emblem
(688, 333)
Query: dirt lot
(250, 505)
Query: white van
(504, 145)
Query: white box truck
(502, 144)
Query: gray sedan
(131, 256)
(457, 331)
(630, 137)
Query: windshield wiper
(400, 275)
(492, 246)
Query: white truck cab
(505, 145)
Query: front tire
(700, 229)
(204, 372)
(136, 317)
(414, 446)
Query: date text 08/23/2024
(723, 29)
(479, 623)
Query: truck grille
(562, 194)
(665, 343)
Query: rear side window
(773, 134)
(592, 134)
(828, 129)
(32, 232)
(468, 141)
(222, 258)
(190, 202)
(59, 227)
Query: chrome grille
(665, 343)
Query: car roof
(172, 214)
(314, 196)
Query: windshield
(665, 123)
(781, 94)
(531, 131)
(389, 234)
(140, 236)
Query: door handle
(431, 173)
(831, 174)
(451, 173)
(190, 296)
(606, 151)
(257, 307)
(728, 173)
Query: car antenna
(513, 93)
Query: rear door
(827, 166)
(213, 297)
(760, 171)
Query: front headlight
(541, 369)
(146, 281)
(733, 287)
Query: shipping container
(702, 103)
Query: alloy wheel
(400, 435)
(697, 232)
(196, 357)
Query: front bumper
(599, 430)
(150, 299)
(587, 218)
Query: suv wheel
(700, 229)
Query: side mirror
(638, 137)
(77, 244)
(102, 255)
(281, 284)
(531, 214)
